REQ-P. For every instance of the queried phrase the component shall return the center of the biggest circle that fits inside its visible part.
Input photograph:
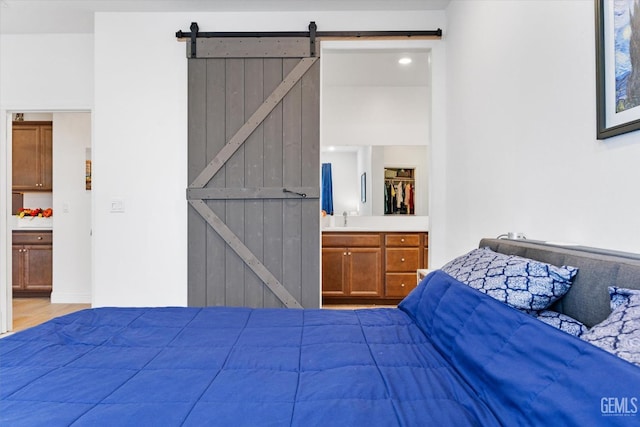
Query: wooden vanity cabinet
(403, 256)
(425, 250)
(32, 270)
(371, 267)
(32, 156)
(351, 265)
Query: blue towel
(327, 189)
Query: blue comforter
(449, 356)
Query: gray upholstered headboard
(588, 298)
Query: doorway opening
(376, 113)
(57, 215)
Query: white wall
(72, 209)
(139, 158)
(375, 115)
(140, 140)
(522, 151)
(40, 72)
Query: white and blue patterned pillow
(620, 295)
(522, 283)
(620, 332)
(561, 321)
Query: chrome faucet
(344, 214)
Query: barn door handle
(303, 195)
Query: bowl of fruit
(35, 218)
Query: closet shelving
(399, 191)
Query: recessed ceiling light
(405, 60)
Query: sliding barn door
(254, 173)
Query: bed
(449, 355)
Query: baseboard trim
(69, 298)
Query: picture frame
(363, 187)
(618, 100)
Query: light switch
(117, 206)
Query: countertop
(31, 223)
(377, 229)
(390, 223)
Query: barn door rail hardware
(312, 34)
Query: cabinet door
(32, 156)
(333, 272)
(365, 267)
(46, 157)
(26, 163)
(17, 269)
(38, 261)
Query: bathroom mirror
(349, 163)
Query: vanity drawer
(402, 240)
(399, 284)
(402, 260)
(351, 240)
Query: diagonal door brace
(245, 254)
(254, 121)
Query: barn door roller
(312, 34)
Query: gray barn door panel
(250, 242)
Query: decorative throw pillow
(620, 295)
(522, 283)
(561, 321)
(620, 332)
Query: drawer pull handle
(39, 237)
(402, 240)
(402, 260)
(344, 254)
(402, 285)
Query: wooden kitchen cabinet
(351, 266)
(371, 267)
(32, 263)
(32, 156)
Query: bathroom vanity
(371, 267)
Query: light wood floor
(355, 306)
(28, 312)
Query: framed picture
(617, 67)
(363, 188)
